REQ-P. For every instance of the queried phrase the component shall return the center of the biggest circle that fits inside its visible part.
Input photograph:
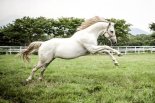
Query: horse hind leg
(43, 69)
(39, 65)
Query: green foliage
(68, 26)
(139, 40)
(88, 79)
(152, 41)
(25, 30)
(152, 26)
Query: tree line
(25, 30)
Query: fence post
(7, 51)
(10, 50)
(20, 49)
(135, 49)
(151, 49)
(143, 50)
(118, 48)
(126, 50)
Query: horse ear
(110, 24)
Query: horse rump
(33, 47)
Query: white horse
(82, 42)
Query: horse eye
(111, 32)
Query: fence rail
(122, 49)
(11, 49)
(135, 49)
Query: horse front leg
(111, 55)
(103, 49)
(94, 49)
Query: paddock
(87, 79)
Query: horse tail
(34, 46)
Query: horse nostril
(114, 42)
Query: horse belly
(70, 51)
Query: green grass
(88, 79)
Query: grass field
(88, 79)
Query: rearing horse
(82, 42)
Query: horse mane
(90, 22)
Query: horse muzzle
(113, 40)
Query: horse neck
(97, 28)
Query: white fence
(11, 49)
(122, 49)
(135, 49)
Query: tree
(152, 26)
(152, 41)
(139, 40)
(67, 26)
(25, 30)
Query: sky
(139, 13)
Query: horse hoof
(40, 79)
(28, 80)
(24, 83)
(120, 54)
(116, 64)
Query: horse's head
(100, 25)
(109, 33)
